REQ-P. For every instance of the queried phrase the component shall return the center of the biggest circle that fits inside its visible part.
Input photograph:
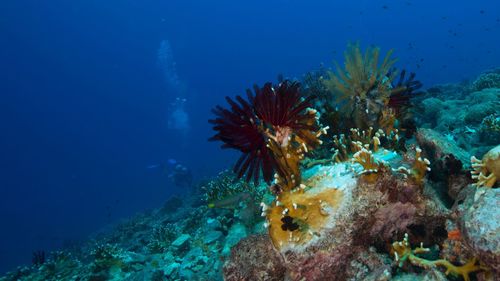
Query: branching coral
(420, 166)
(418, 170)
(403, 252)
(365, 158)
(487, 170)
(344, 146)
(273, 129)
(360, 145)
(107, 256)
(161, 237)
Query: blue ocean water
(95, 94)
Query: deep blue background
(83, 104)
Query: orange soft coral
(487, 170)
(403, 252)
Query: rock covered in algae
(438, 148)
(369, 265)
(488, 79)
(337, 247)
(449, 162)
(479, 220)
(254, 258)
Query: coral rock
(320, 265)
(369, 265)
(393, 218)
(437, 148)
(181, 240)
(254, 258)
(478, 219)
(487, 80)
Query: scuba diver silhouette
(179, 174)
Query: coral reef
(330, 209)
(339, 208)
(368, 192)
(466, 115)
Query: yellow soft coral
(370, 166)
(403, 252)
(420, 167)
(344, 146)
(487, 170)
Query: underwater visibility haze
(250, 140)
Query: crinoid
(239, 128)
(367, 91)
(273, 129)
(402, 91)
(363, 88)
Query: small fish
(454, 234)
(230, 202)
